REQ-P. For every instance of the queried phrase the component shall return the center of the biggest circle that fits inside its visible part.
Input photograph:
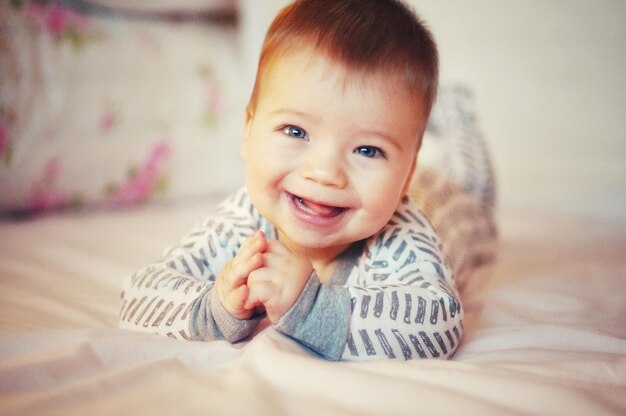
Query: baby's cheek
(370, 225)
(381, 210)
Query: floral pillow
(168, 6)
(108, 109)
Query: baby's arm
(175, 296)
(400, 302)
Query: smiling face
(328, 153)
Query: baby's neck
(323, 259)
(324, 271)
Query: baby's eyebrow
(287, 111)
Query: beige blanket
(545, 331)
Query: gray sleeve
(211, 321)
(319, 319)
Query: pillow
(103, 109)
(167, 6)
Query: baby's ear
(248, 115)
(409, 179)
(247, 123)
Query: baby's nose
(325, 167)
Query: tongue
(319, 209)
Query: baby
(323, 239)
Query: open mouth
(317, 209)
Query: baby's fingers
(239, 269)
(256, 243)
(239, 295)
(259, 293)
(235, 303)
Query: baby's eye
(369, 151)
(295, 132)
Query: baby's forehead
(325, 66)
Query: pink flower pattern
(48, 200)
(44, 195)
(213, 102)
(212, 94)
(146, 180)
(108, 121)
(56, 19)
(4, 139)
(7, 119)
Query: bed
(545, 326)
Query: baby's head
(341, 100)
(366, 37)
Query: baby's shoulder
(408, 218)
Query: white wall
(549, 77)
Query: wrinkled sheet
(545, 331)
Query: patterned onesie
(390, 296)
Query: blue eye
(295, 132)
(369, 151)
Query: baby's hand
(231, 284)
(278, 283)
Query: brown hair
(367, 36)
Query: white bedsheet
(545, 331)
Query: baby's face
(328, 156)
